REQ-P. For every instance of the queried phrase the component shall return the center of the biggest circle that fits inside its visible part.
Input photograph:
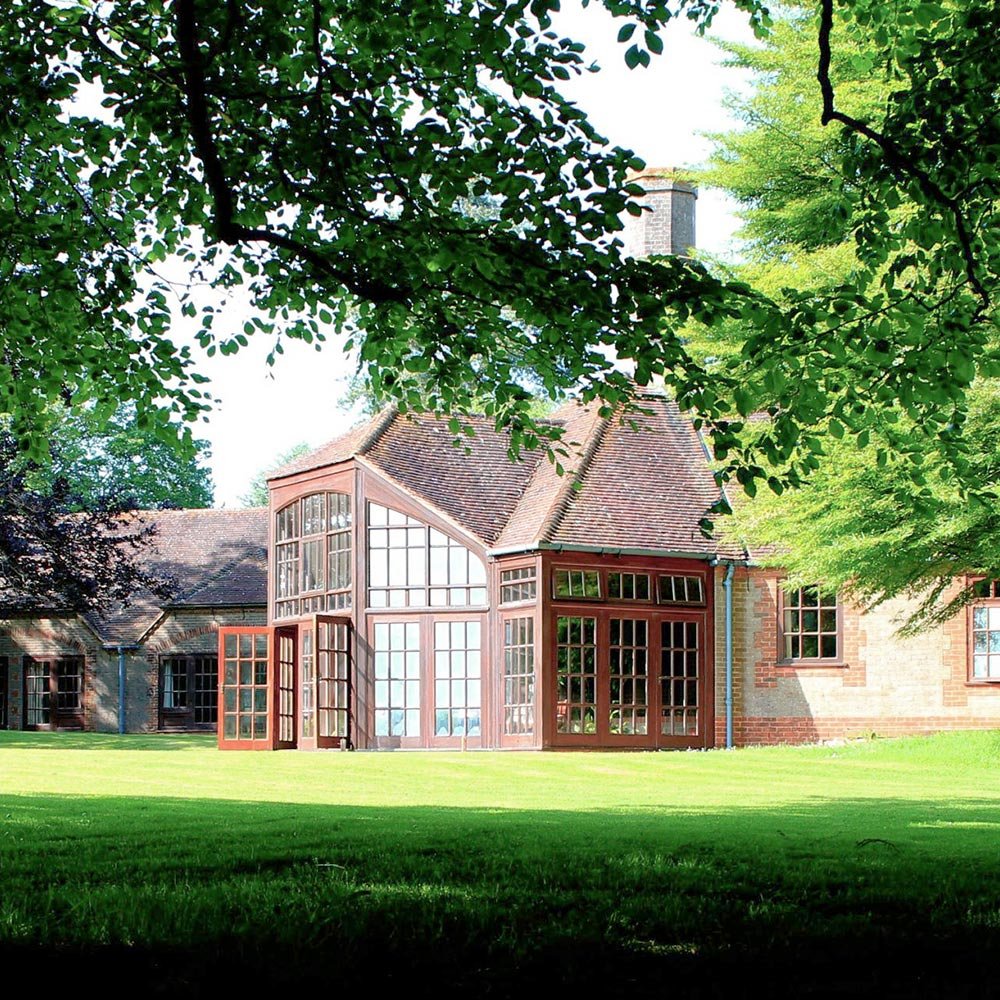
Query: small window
(518, 585)
(189, 691)
(809, 624)
(985, 664)
(576, 583)
(681, 590)
(629, 587)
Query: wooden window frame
(664, 602)
(987, 601)
(653, 579)
(289, 547)
(186, 717)
(654, 738)
(837, 660)
(583, 571)
(59, 717)
(529, 581)
(421, 596)
(523, 679)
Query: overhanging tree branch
(896, 159)
(228, 229)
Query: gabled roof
(638, 482)
(214, 558)
(647, 485)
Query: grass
(871, 868)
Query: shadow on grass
(19, 740)
(866, 897)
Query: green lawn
(871, 868)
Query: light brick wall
(884, 684)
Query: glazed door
(286, 640)
(334, 682)
(682, 684)
(246, 703)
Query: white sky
(659, 112)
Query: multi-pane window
(519, 676)
(518, 585)
(628, 668)
(629, 587)
(986, 643)
(397, 679)
(681, 590)
(809, 624)
(189, 691)
(576, 674)
(333, 672)
(307, 674)
(679, 678)
(312, 555)
(457, 678)
(413, 565)
(53, 692)
(576, 583)
(244, 693)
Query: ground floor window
(397, 679)
(630, 679)
(189, 688)
(53, 692)
(245, 686)
(519, 677)
(457, 678)
(986, 642)
(576, 674)
(809, 620)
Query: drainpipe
(727, 585)
(121, 685)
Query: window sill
(836, 664)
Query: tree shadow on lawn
(886, 897)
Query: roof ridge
(566, 491)
(380, 425)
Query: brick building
(405, 592)
(427, 595)
(149, 666)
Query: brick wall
(183, 631)
(882, 683)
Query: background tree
(883, 513)
(53, 556)
(101, 460)
(257, 494)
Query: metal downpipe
(727, 585)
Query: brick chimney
(668, 227)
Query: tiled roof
(640, 487)
(546, 490)
(355, 441)
(214, 558)
(474, 481)
(646, 486)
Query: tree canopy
(316, 155)
(885, 515)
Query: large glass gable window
(413, 565)
(312, 555)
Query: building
(405, 592)
(150, 666)
(424, 595)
